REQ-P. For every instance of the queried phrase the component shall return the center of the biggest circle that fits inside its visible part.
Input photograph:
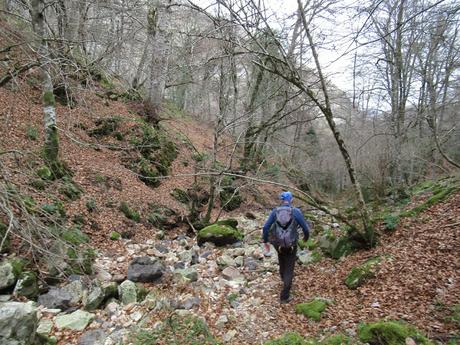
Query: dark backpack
(285, 228)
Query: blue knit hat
(286, 196)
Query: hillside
(417, 280)
(113, 248)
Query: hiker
(283, 224)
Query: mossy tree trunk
(159, 17)
(51, 147)
(368, 235)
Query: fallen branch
(450, 225)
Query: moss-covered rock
(289, 338)
(390, 333)
(335, 247)
(115, 236)
(312, 309)
(27, 285)
(45, 173)
(361, 273)
(10, 270)
(219, 235)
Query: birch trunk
(51, 147)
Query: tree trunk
(159, 61)
(51, 147)
(327, 111)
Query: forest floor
(417, 281)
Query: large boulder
(27, 285)
(56, 299)
(18, 323)
(220, 235)
(145, 269)
(77, 321)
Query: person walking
(282, 224)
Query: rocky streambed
(225, 288)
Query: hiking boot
(285, 300)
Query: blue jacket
(298, 216)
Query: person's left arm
(300, 219)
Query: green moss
(75, 236)
(219, 234)
(49, 99)
(70, 190)
(81, 262)
(440, 195)
(148, 175)
(78, 219)
(289, 338)
(114, 236)
(342, 247)
(310, 244)
(129, 212)
(454, 314)
(180, 195)
(55, 209)
(338, 339)
(390, 222)
(390, 333)
(312, 309)
(360, 274)
(142, 292)
(27, 285)
(38, 184)
(32, 133)
(187, 330)
(91, 205)
(45, 173)
(51, 148)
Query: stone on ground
(56, 299)
(18, 323)
(77, 321)
(127, 292)
(219, 235)
(145, 269)
(27, 285)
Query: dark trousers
(287, 258)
